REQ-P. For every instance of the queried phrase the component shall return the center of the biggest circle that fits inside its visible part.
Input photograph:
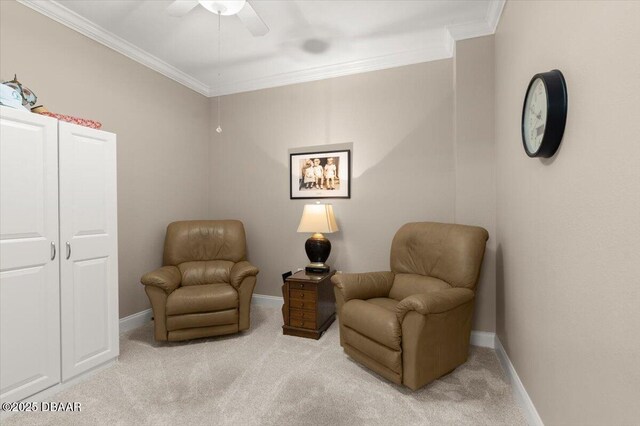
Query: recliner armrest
(365, 285)
(434, 302)
(167, 278)
(240, 271)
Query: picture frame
(320, 174)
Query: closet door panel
(29, 266)
(88, 230)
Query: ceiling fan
(242, 8)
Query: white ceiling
(308, 39)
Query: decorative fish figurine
(28, 97)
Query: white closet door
(29, 280)
(89, 261)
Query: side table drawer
(303, 324)
(303, 304)
(302, 315)
(302, 286)
(302, 295)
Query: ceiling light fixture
(223, 7)
(242, 8)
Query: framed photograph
(320, 174)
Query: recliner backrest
(448, 252)
(203, 240)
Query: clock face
(535, 116)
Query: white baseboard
(266, 300)
(136, 320)
(519, 392)
(484, 339)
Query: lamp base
(318, 249)
(317, 269)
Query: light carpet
(261, 377)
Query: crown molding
(469, 30)
(61, 14)
(494, 13)
(440, 49)
(479, 28)
(449, 42)
(434, 52)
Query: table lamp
(317, 219)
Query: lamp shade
(318, 218)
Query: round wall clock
(544, 114)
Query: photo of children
(320, 175)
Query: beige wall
(399, 123)
(410, 160)
(162, 127)
(569, 227)
(475, 159)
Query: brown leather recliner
(412, 325)
(205, 286)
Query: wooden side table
(309, 304)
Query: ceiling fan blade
(181, 7)
(252, 21)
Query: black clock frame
(557, 104)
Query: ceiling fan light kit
(240, 8)
(223, 7)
